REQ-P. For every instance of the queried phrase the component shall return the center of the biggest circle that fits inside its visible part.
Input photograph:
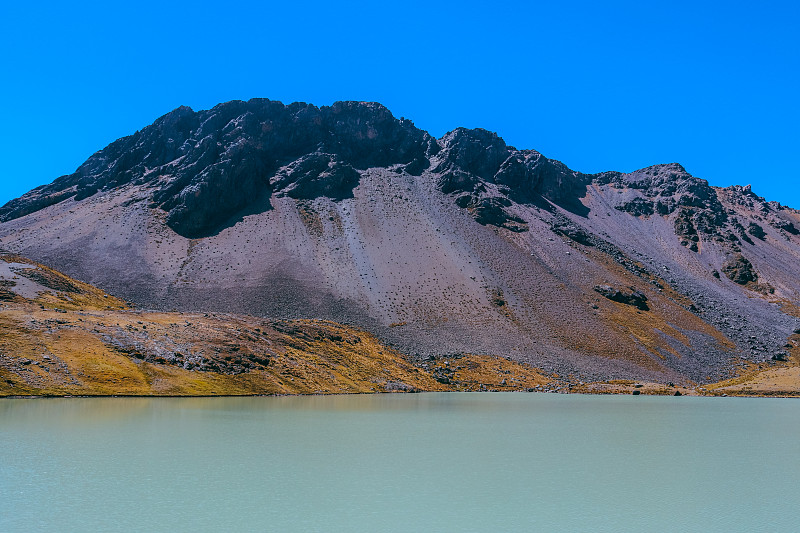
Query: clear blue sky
(598, 85)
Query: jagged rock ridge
(205, 167)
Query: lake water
(419, 462)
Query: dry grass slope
(73, 339)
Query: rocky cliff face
(205, 167)
(461, 244)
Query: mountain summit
(205, 167)
(461, 244)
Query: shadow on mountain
(573, 204)
(258, 206)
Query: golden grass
(48, 352)
(80, 341)
(788, 307)
(666, 319)
(618, 386)
(774, 378)
(44, 352)
(485, 372)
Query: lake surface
(417, 462)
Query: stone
(756, 231)
(739, 270)
(398, 386)
(493, 211)
(574, 232)
(629, 297)
(315, 175)
(477, 152)
(786, 226)
(637, 207)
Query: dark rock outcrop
(756, 231)
(315, 175)
(492, 211)
(206, 166)
(542, 177)
(570, 230)
(668, 185)
(477, 152)
(470, 161)
(638, 207)
(786, 226)
(739, 270)
(629, 297)
(669, 190)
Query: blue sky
(599, 85)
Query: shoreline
(689, 393)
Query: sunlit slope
(63, 337)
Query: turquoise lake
(415, 462)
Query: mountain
(436, 246)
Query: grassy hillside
(60, 337)
(72, 339)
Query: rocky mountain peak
(475, 151)
(663, 189)
(366, 134)
(205, 166)
(487, 176)
(652, 178)
(743, 195)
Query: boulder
(739, 270)
(629, 297)
(756, 231)
(637, 207)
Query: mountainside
(456, 245)
(59, 336)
